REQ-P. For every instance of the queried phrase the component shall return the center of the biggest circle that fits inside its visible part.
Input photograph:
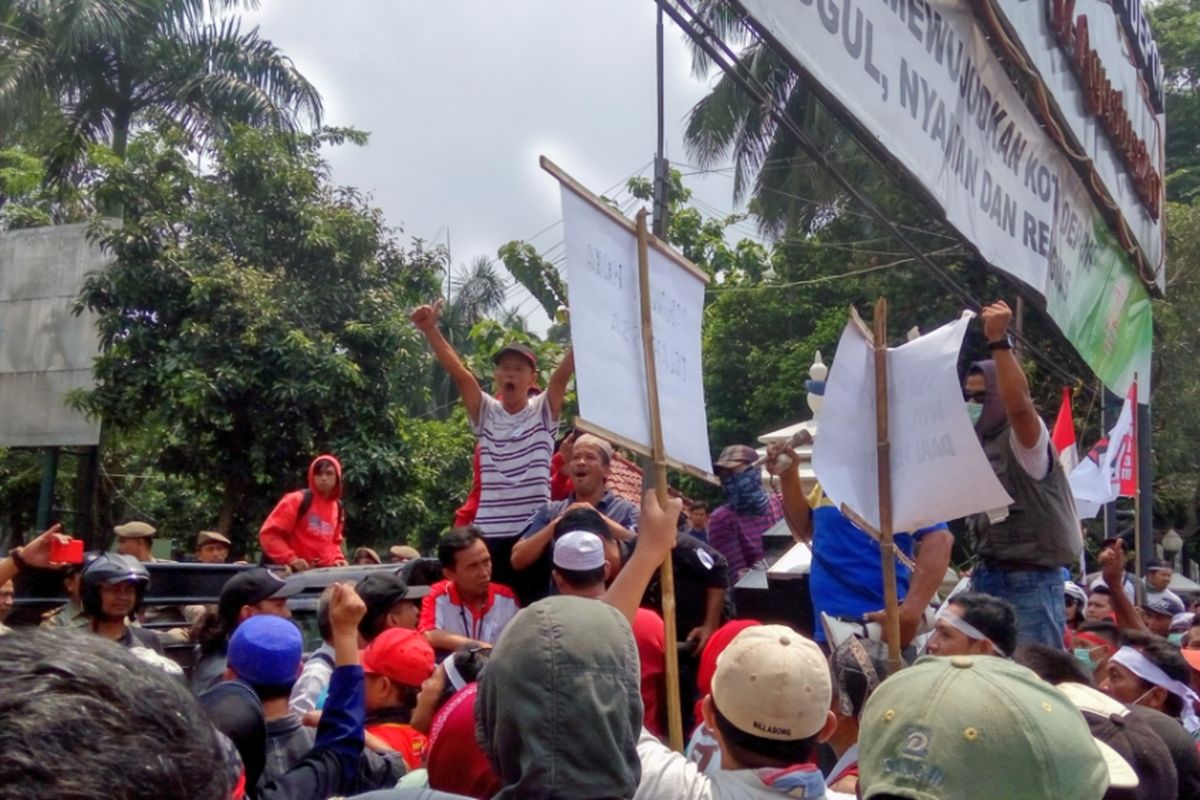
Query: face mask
(1141, 696)
(1084, 656)
(1176, 639)
(975, 411)
(744, 492)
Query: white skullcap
(579, 551)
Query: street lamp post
(1172, 544)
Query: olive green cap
(978, 727)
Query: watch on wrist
(1005, 343)
(18, 559)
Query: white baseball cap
(579, 551)
(773, 683)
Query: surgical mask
(975, 411)
(1084, 656)
(1142, 696)
(1176, 639)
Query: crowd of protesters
(536, 667)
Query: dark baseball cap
(1163, 604)
(1132, 738)
(736, 455)
(517, 349)
(380, 591)
(253, 586)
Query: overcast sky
(462, 96)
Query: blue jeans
(1037, 595)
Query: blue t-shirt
(847, 574)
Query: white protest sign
(606, 332)
(939, 471)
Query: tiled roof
(625, 480)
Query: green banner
(1098, 301)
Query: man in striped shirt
(515, 432)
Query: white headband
(1148, 671)
(453, 675)
(969, 630)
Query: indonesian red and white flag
(1110, 469)
(1063, 435)
(1127, 466)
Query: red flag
(1063, 435)
(1127, 466)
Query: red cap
(400, 654)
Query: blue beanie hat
(266, 650)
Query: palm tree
(88, 71)
(785, 189)
(476, 292)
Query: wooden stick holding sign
(659, 455)
(866, 528)
(883, 456)
(646, 399)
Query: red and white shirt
(443, 610)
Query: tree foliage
(256, 315)
(784, 188)
(1176, 425)
(536, 274)
(27, 202)
(1176, 25)
(79, 72)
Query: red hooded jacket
(317, 536)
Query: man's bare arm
(795, 505)
(445, 640)
(933, 557)
(557, 387)
(1112, 567)
(1012, 383)
(527, 551)
(35, 554)
(714, 604)
(619, 531)
(426, 318)
(656, 537)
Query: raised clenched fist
(426, 316)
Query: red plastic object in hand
(69, 553)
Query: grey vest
(1041, 527)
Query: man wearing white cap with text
(769, 706)
(769, 709)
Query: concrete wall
(45, 350)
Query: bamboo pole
(887, 545)
(1138, 510)
(659, 454)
